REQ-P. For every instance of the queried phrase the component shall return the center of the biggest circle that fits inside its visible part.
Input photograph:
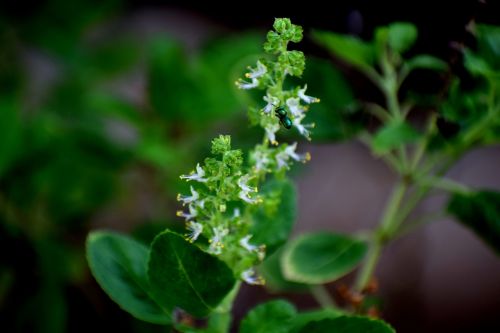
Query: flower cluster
(219, 192)
(270, 75)
(219, 207)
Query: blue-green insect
(282, 115)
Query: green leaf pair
(151, 284)
(281, 317)
(397, 37)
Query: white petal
(294, 106)
(250, 277)
(247, 85)
(272, 102)
(303, 129)
(195, 230)
(257, 72)
(243, 184)
(305, 98)
(244, 242)
(244, 196)
(198, 176)
(271, 130)
(185, 199)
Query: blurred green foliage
(96, 124)
(90, 121)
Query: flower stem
(369, 265)
(379, 237)
(322, 296)
(220, 320)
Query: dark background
(441, 279)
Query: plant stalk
(322, 296)
(380, 235)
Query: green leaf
(270, 269)
(392, 136)
(347, 324)
(381, 35)
(118, 263)
(182, 275)
(303, 318)
(10, 132)
(321, 257)
(401, 36)
(477, 65)
(425, 61)
(479, 211)
(488, 44)
(350, 49)
(274, 316)
(274, 218)
(218, 322)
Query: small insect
(282, 115)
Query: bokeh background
(103, 104)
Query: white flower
(188, 216)
(198, 176)
(303, 129)
(272, 102)
(216, 244)
(250, 277)
(261, 160)
(246, 190)
(289, 152)
(243, 184)
(244, 196)
(247, 85)
(245, 243)
(305, 98)
(195, 230)
(236, 213)
(271, 130)
(282, 160)
(186, 199)
(257, 72)
(294, 106)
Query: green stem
(391, 160)
(418, 222)
(322, 296)
(393, 205)
(220, 320)
(422, 145)
(390, 90)
(379, 112)
(445, 184)
(380, 235)
(368, 265)
(419, 193)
